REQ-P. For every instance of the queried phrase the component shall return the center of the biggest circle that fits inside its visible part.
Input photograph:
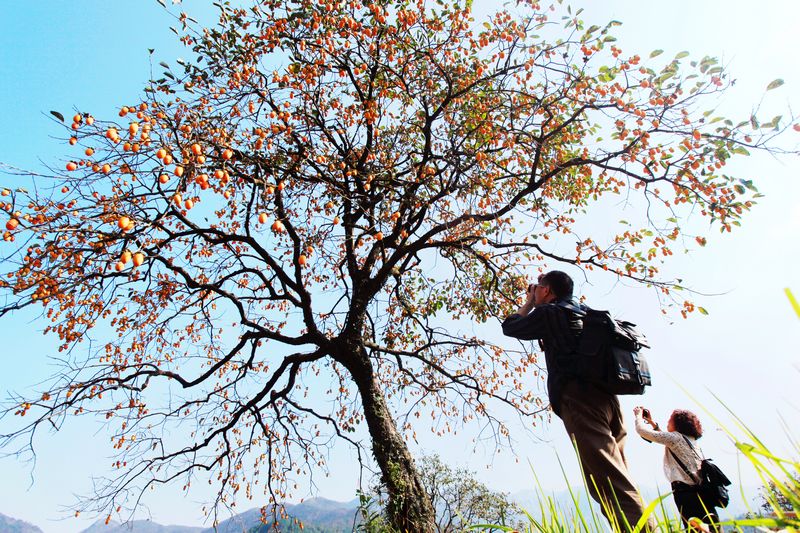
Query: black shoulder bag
(713, 481)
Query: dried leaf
(775, 84)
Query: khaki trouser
(593, 420)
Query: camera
(646, 413)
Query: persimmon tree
(284, 239)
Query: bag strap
(694, 451)
(564, 304)
(683, 466)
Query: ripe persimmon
(123, 222)
(72, 165)
(138, 259)
(125, 257)
(302, 260)
(262, 218)
(12, 224)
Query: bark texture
(409, 507)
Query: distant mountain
(318, 515)
(240, 523)
(12, 525)
(138, 526)
(336, 516)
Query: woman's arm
(653, 435)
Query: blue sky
(93, 55)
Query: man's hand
(527, 307)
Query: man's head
(551, 287)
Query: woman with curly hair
(681, 461)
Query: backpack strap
(569, 306)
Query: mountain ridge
(9, 524)
(318, 515)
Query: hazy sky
(92, 55)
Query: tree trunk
(409, 508)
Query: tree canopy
(285, 238)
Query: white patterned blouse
(676, 442)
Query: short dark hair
(687, 423)
(559, 282)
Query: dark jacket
(557, 329)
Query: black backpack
(607, 353)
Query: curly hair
(687, 423)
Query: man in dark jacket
(591, 416)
